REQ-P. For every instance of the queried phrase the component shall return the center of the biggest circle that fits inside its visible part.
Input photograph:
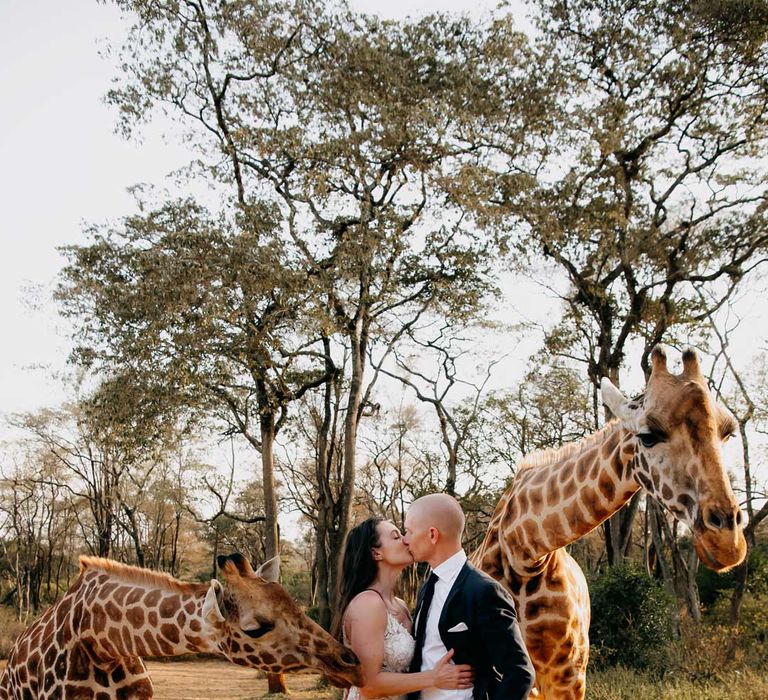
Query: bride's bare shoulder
(366, 603)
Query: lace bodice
(398, 651)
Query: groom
(463, 609)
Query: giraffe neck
(565, 494)
(125, 619)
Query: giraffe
(668, 441)
(90, 644)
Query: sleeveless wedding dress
(398, 652)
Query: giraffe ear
(211, 604)
(621, 407)
(270, 570)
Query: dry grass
(211, 679)
(624, 684)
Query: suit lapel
(419, 601)
(455, 588)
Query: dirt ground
(220, 680)
(209, 679)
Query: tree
(744, 393)
(648, 183)
(90, 467)
(345, 126)
(430, 366)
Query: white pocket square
(461, 627)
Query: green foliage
(753, 625)
(651, 104)
(713, 586)
(630, 619)
(298, 583)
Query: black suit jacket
(492, 642)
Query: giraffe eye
(648, 439)
(260, 631)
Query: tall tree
(225, 339)
(648, 183)
(348, 126)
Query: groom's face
(418, 535)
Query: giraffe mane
(137, 575)
(550, 455)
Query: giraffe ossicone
(90, 644)
(667, 441)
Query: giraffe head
(679, 429)
(260, 625)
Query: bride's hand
(452, 676)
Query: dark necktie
(421, 623)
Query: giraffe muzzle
(343, 670)
(719, 538)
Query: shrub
(705, 652)
(713, 586)
(631, 624)
(753, 626)
(10, 629)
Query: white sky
(61, 166)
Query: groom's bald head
(441, 511)
(434, 525)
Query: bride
(375, 624)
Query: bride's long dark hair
(358, 568)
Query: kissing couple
(463, 642)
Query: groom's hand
(451, 676)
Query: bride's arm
(366, 623)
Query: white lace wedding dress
(398, 652)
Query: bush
(705, 652)
(713, 586)
(753, 626)
(10, 629)
(631, 623)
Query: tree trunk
(325, 595)
(267, 424)
(275, 681)
(350, 430)
(135, 535)
(741, 573)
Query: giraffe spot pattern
(114, 613)
(170, 632)
(152, 598)
(135, 616)
(169, 606)
(121, 593)
(100, 677)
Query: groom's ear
(434, 535)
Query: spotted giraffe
(668, 442)
(90, 644)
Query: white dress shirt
(434, 649)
